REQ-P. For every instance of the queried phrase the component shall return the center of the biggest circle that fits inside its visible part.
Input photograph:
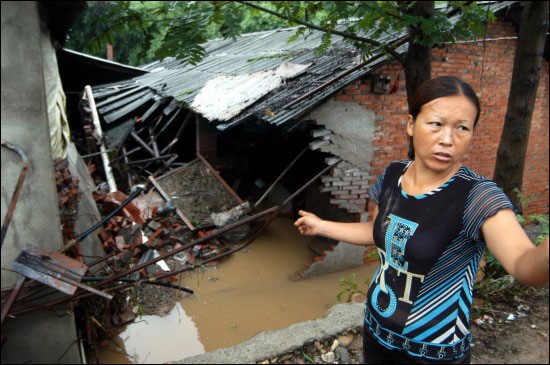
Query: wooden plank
(177, 169)
(215, 173)
(167, 198)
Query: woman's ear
(410, 125)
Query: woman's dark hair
(437, 88)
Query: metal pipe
(151, 159)
(142, 144)
(130, 280)
(83, 235)
(95, 119)
(18, 187)
(95, 154)
(127, 154)
(154, 141)
(280, 176)
(13, 296)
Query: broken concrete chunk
(320, 132)
(318, 144)
(230, 216)
(331, 160)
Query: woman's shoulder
(399, 164)
(482, 190)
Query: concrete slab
(343, 256)
(41, 337)
(339, 318)
(88, 214)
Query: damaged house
(259, 106)
(253, 123)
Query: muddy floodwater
(250, 291)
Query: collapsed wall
(347, 132)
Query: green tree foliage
(181, 28)
(131, 34)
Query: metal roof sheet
(248, 54)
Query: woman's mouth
(442, 156)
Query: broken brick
(120, 243)
(154, 225)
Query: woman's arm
(511, 246)
(354, 233)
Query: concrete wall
(41, 336)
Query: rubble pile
(68, 197)
(346, 348)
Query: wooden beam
(215, 173)
(167, 198)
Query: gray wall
(41, 336)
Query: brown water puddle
(156, 339)
(250, 292)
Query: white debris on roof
(224, 97)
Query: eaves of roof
(170, 80)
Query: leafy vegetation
(493, 268)
(350, 288)
(142, 31)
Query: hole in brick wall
(252, 155)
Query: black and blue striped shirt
(430, 246)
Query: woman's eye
(437, 124)
(463, 128)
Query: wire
(483, 55)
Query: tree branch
(396, 55)
(383, 11)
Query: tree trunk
(525, 80)
(418, 63)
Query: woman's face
(442, 131)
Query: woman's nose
(446, 137)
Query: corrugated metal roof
(250, 53)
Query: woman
(432, 220)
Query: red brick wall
(464, 61)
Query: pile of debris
(146, 238)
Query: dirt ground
(521, 341)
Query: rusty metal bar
(130, 280)
(13, 296)
(309, 183)
(280, 176)
(18, 187)
(180, 131)
(222, 255)
(152, 159)
(122, 157)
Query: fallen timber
(274, 210)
